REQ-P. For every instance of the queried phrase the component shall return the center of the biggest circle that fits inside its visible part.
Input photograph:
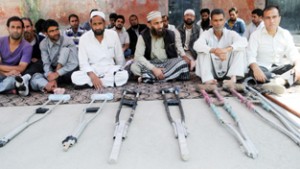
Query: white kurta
(252, 28)
(266, 50)
(235, 66)
(104, 59)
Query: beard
(119, 27)
(135, 26)
(205, 24)
(16, 36)
(54, 38)
(98, 32)
(157, 32)
(189, 22)
(27, 35)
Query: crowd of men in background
(105, 54)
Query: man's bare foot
(211, 82)
(231, 81)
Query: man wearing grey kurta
(60, 59)
(156, 56)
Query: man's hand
(50, 86)
(221, 53)
(259, 74)
(186, 59)
(12, 73)
(95, 80)
(52, 76)
(158, 73)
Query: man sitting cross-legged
(15, 55)
(100, 57)
(156, 56)
(220, 52)
(59, 56)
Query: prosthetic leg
(121, 126)
(179, 124)
(39, 114)
(236, 129)
(85, 121)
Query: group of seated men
(96, 58)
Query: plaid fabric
(176, 69)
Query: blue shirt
(239, 26)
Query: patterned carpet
(149, 92)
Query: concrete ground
(150, 142)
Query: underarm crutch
(121, 126)
(40, 112)
(84, 121)
(286, 129)
(179, 126)
(238, 132)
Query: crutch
(40, 112)
(238, 132)
(286, 129)
(121, 126)
(84, 121)
(179, 126)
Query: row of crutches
(89, 113)
(287, 125)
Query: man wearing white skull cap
(189, 32)
(100, 57)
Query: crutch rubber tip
(185, 157)
(112, 161)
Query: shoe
(22, 84)
(274, 88)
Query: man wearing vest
(156, 57)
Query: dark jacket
(133, 37)
(194, 36)
(169, 40)
(36, 52)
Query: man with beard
(204, 23)
(234, 23)
(74, 32)
(272, 54)
(123, 35)
(189, 33)
(59, 56)
(15, 55)
(101, 58)
(220, 52)
(112, 20)
(134, 31)
(36, 64)
(257, 23)
(156, 58)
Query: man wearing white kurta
(220, 52)
(273, 47)
(256, 24)
(100, 56)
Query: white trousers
(235, 66)
(113, 77)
